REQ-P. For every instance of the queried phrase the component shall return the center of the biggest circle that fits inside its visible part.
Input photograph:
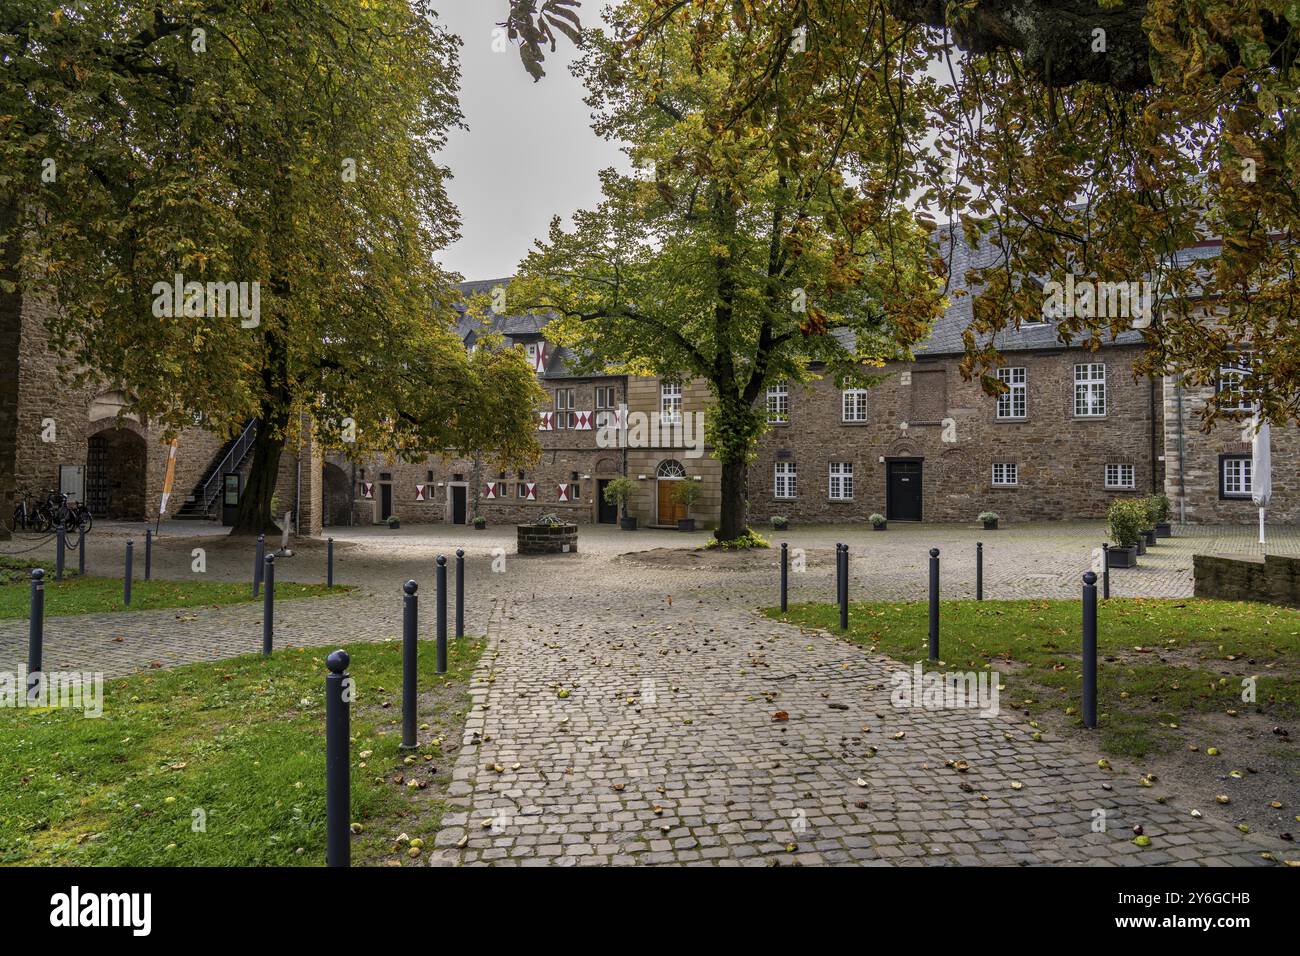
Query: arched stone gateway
(336, 488)
(116, 460)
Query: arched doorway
(337, 496)
(115, 474)
(670, 510)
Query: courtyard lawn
(94, 595)
(1159, 660)
(224, 764)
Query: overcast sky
(529, 153)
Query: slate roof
(523, 328)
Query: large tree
(752, 241)
(288, 147)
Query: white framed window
(778, 404)
(1011, 403)
(1005, 474)
(841, 481)
(1235, 476)
(1121, 476)
(564, 405)
(1090, 390)
(604, 396)
(521, 489)
(854, 405)
(1228, 387)
(670, 403)
(784, 487)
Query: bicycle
(24, 516)
(61, 511)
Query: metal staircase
(207, 492)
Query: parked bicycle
(42, 517)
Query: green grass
(93, 595)
(242, 741)
(1208, 647)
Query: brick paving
(664, 749)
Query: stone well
(547, 539)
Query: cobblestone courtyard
(664, 748)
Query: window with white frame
(1228, 386)
(778, 403)
(854, 405)
(785, 480)
(1090, 390)
(605, 396)
(564, 404)
(1235, 476)
(670, 403)
(1011, 403)
(1121, 476)
(841, 488)
(1005, 474)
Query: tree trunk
(11, 317)
(254, 513)
(735, 505)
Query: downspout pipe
(1182, 454)
(1154, 490)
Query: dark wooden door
(903, 490)
(606, 512)
(671, 510)
(385, 502)
(457, 504)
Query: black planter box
(880, 527)
(1142, 545)
(628, 523)
(394, 524)
(1164, 530)
(1121, 557)
(1150, 537)
(686, 524)
(481, 527)
(991, 525)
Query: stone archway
(116, 465)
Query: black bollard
(839, 572)
(440, 580)
(934, 604)
(148, 553)
(258, 556)
(35, 637)
(785, 576)
(60, 541)
(844, 589)
(460, 593)
(329, 563)
(268, 606)
(1105, 570)
(410, 658)
(338, 795)
(979, 570)
(81, 550)
(1090, 650)
(126, 578)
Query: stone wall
(1060, 458)
(1273, 579)
(11, 319)
(643, 462)
(547, 539)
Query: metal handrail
(236, 454)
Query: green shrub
(688, 492)
(750, 539)
(619, 492)
(877, 519)
(1158, 509)
(780, 522)
(1126, 517)
(988, 516)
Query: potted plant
(1158, 505)
(686, 494)
(480, 523)
(393, 523)
(1125, 521)
(878, 522)
(990, 519)
(780, 522)
(619, 492)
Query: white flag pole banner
(1261, 470)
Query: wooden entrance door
(671, 510)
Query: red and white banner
(367, 489)
(530, 490)
(419, 493)
(564, 492)
(545, 421)
(490, 490)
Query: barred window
(841, 481)
(785, 480)
(1120, 476)
(1011, 403)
